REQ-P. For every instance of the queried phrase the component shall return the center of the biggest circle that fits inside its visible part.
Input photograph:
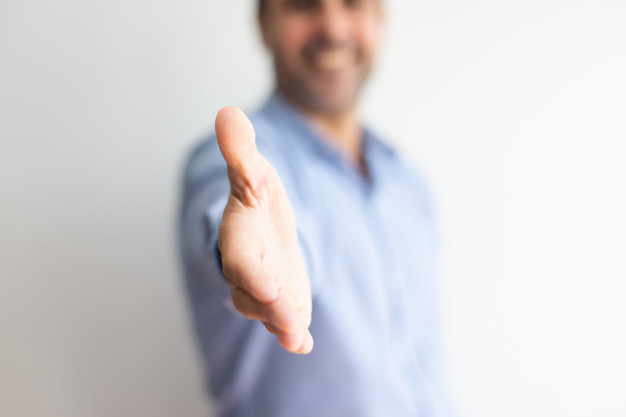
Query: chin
(332, 99)
(329, 106)
(322, 96)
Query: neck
(342, 129)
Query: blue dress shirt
(370, 249)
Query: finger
(280, 315)
(307, 344)
(242, 268)
(299, 341)
(235, 137)
(247, 305)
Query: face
(323, 50)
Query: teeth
(334, 59)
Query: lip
(335, 60)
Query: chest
(377, 251)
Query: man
(315, 234)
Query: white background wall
(515, 110)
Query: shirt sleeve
(204, 194)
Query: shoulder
(407, 175)
(203, 160)
(398, 162)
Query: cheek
(291, 37)
(369, 31)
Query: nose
(334, 22)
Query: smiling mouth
(332, 59)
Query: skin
(323, 52)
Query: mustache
(326, 44)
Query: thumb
(235, 137)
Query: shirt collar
(284, 113)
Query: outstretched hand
(258, 239)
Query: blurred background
(514, 110)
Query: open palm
(258, 239)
